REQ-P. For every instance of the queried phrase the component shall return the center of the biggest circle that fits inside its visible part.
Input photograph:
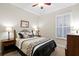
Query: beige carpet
(57, 52)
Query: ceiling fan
(41, 5)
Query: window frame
(56, 26)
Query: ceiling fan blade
(34, 5)
(47, 3)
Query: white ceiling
(47, 9)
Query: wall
(47, 25)
(75, 17)
(47, 22)
(11, 16)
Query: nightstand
(7, 46)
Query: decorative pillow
(28, 36)
(25, 36)
(21, 35)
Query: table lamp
(36, 29)
(8, 29)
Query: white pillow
(25, 36)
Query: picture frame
(24, 24)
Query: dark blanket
(46, 49)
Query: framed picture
(24, 24)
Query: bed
(35, 46)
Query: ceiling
(47, 9)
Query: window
(62, 25)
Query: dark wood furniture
(7, 46)
(37, 35)
(72, 45)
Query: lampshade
(35, 28)
(41, 4)
(9, 29)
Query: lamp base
(8, 35)
(8, 39)
(77, 31)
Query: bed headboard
(14, 34)
(24, 30)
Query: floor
(58, 52)
(61, 42)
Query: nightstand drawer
(7, 43)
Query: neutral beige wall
(47, 25)
(47, 22)
(11, 15)
(75, 16)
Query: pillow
(25, 36)
(20, 35)
(28, 36)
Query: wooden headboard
(14, 34)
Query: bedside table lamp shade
(9, 29)
(36, 30)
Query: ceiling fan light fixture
(42, 7)
(40, 4)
